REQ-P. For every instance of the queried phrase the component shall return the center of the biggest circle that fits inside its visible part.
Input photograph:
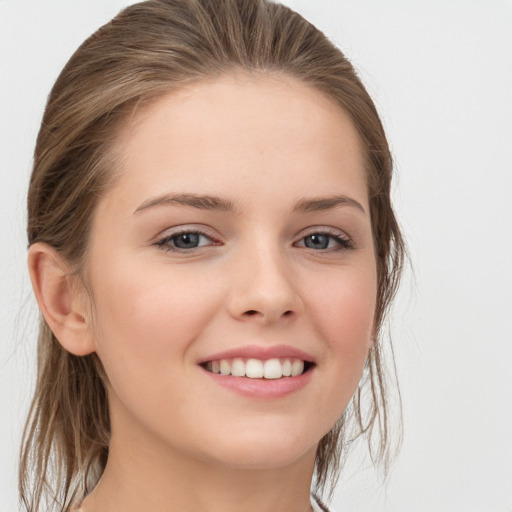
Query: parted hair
(150, 49)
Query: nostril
(252, 312)
(267, 316)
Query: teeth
(287, 368)
(225, 369)
(257, 369)
(254, 369)
(272, 369)
(238, 368)
(297, 367)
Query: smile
(275, 368)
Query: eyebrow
(206, 202)
(317, 204)
(194, 200)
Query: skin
(179, 440)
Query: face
(237, 239)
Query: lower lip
(262, 388)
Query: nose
(264, 288)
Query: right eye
(185, 240)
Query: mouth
(251, 368)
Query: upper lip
(260, 352)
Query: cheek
(146, 317)
(344, 306)
(343, 310)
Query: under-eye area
(251, 368)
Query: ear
(59, 299)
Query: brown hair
(149, 49)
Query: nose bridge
(263, 283)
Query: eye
(184, 240)
(325, 241)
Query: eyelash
(344, 242)
(165, 242)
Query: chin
(264, 448)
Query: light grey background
(441, 75)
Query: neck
(152, 478)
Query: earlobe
(59, 299)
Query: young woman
(213, 250)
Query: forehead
(251, 132)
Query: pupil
(186, 240)
(317, 241)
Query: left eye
(322, 241)
(185, 240)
